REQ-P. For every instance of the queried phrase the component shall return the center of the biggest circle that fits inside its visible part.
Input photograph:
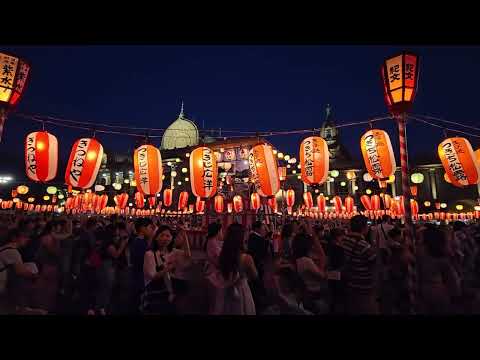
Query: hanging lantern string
(443, 127)
(447, 121)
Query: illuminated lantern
(290, 198)
(84, 163)
(378, 154)
(414, 207)
(282, 173)
(199, 205)
(437, 205)
(77, 201)
(436, 215)
(25, 207)
(337, 202)
(95, 201)
(350, 175)
(387, 201)
(255, 201)
(442, 216)
(375, 200)
(459, 161)
(22, 189)
(349, 202)
(417, 178)
(182, 200)
(151, 201)
(43, 208)
(167, 197)
(307, 199)
(41, 156)
(31, 199)
(314, 160)
(263, 170)
(366, 202)
(237, 203)
(477, 214)
(430, 216)
(477, 156)
(401, 205)
(400, 77)
(147, 162)
(139, 200)
(37, 208)
(272, 202)
(69, 203)
(414, 190)
(203, 172)
(49, 208)
(229, 208)
(14, 193)
(219, 203)
(104, 200)
(31, 207)
(455, 216)
(18, 205)
(321, 203)
(121, 200)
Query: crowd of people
(96, 265)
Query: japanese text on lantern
(451, 154)
(31, 158)
(143, 165)
(371, 148)
(253, 169)
(79, 159)
(8, 66)
(207, 169)
(394, 73)
(308, 153)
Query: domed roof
(180, 134)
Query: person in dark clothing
(336, 259)
(139, 246)
(258, 248)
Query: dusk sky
(236, 87)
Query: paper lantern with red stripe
(321, 203)
(255, 201)
(264, 170)
(121, 200)
(459, 161)
(151, 201)
(378, 154)
(290, 197)
(349, 202)
(203, 172)
(84, 163)
(41, 156)
(199, 205)
(308, 200)
(147, 162)
(237, 203)
(219, 204)
(167, 197)
(103, 200)
(337, 203)
(366, 202)
(139, 200)
(182, 200)
(314, 160)
(375, 199)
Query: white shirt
(150, 270)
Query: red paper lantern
(430, 216)
(442, 215)
(314, 160)
(459, 161)
(199, 205)
(182, 200)
(147, 162)
(237, 203)
(121, 200)
(41, 156)
(167, 197)
(290, 197)
(203, 172)
(307, 199)
(477, 214)
(375, 200)
(414, 207)
(152, 201)
(84, 163)
(337, 203)
(437, 205)
(139, 200)
(378, 154)
(219, 204)
(321, 203)
(255, 201)
(229, 208)
(349, 202)
(387, 201)
(264, 170)
(272, 202)
(366, 202)
(414, 190)
(401, 205)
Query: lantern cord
(443, 127)
(448, 122)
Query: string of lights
(443, 127)
(447, 121)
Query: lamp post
(400, 77)
(13, 77)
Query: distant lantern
(117, 186)
(139, 200)
(31, 199)
(290, 197)
(255, 201)
(321, 203)
(366, 202)
(182, 200)
(314, 160)
(427, 203)
(417, 178)
(237, 203)
(147, 162)
(477, 155)
(15, 73)
(219, 204)
(459, 161)
(378, 154)
(99, 187)
(199, 205)
(349, 202)
(121, 200)
(350, 175)
(203, 172)
(414, 207)
(103, 201)
(337, 203)
(22, 189)
(367, 177)
(387, 201)
(282, 173)
(307, 199)
(51, 190)
(46, 198)
(151, 201)
(414, 190)
(272, 202)
(84, 163)
(391, 179)
(167, 197)
(41, 156)
(264, 170)
(400, 77)
(375, 200)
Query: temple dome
(181, 133)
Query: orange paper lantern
(182, 200)
(375, 202)
(337, 203)
(378, 154)
(41, 156)
(349, 202)
(272, 202)
(314, 160)
(255, 201)
(203, 172)
(147, 162)
(414, 207)
(387, 201)
(151, 201)
(237, 203)
(366, 202)
(290, 197)
(459, 161)
(139, 200)
(307, 199)
(264, 170)
(84, 163)
(321, 203)
(219, 204)
(167, 197)
(199, 205)
(121, 200)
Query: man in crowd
(258, 248)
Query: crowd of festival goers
(96, 265)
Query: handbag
(155, 297)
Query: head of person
(215, 231)
(144, 228)
(27, 225)
(435, 241)
(91, 224)
(459, 226)
(301, 245)
(287, 231)
(319, 230)
(396, 235)
(18, 237)
(259, 228)
(337, 235)
(162, 238)
(233, 246)
(122, 231)
(359, 225)
(386, 219)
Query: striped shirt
(360, 260)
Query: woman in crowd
(122, 287)
(213, 246)
(287, 236)
(336, 262)
(235, 269)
